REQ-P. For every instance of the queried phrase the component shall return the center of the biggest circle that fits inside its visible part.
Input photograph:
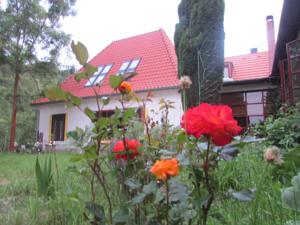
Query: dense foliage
(30, 89)
(282, 129)
(28, 27)
(162, 174)
(199, 44)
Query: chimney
(271, 40)
(253, 50)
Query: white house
(151, 56)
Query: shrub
(283, 129)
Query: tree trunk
(199, 44)
(14, 113)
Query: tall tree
(199, 43)
(28, 27)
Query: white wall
(75, 118)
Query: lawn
(19, 203)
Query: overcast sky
(99, 22)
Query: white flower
(185, 82)
(273, 155)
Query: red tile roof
(250, 66)
(157, 68)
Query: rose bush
(129, 194)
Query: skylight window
(98, 76)
(129, 66)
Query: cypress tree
(199, 44)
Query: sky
(99, 22)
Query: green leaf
(55, 93)
(181, 138)
(77, 158)
(76, 101)
(244, 195)
(122, 216)
(115, 81)
(80, 52)
(150, 188)
(103, 122)
(291, 198)
(90, 113)
(73, 134)
(132, 183)
(105, 100)
(90, 69)
(97, 211)
(138, 199)
(80, 76)
(129, 113)
(296, 181)
(291, 195)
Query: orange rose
(125, 87)
(163, 169)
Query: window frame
(55, 118)
(244, 114)
(97, 74)
(128, 68)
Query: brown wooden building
(261, 81)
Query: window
(98, 76)
(105, 113)
(228, 69)
(226, 73)
(58, 127)
(129, 66)
(249, 107)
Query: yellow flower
(163, 169)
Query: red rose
(132, 145)
(215, 121)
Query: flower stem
(206, 207)
(167, 196)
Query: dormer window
(228, 69)
(226, 73)
(129, 66)
(98, 76)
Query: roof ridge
(134, 36)
(164, 37)
(245, 54)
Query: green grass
(20, 205)
(249, 170)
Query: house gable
(157, 68)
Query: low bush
(282, 129)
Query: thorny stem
(124, 130)
(93, 188)
(167, 198)
(206, 207)
(97, 172)
(146, 125)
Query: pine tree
(28, 26)
(199, 43)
